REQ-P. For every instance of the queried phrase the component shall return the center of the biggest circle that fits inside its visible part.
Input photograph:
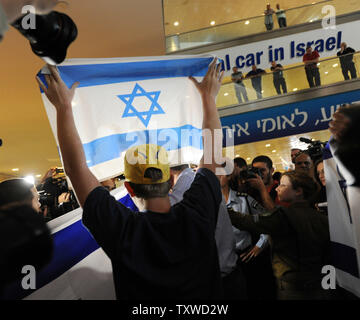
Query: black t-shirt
(346, 57)
(278, 74)
(157, 255)
(256, 74)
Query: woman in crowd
(300, 238)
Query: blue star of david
(144, 116)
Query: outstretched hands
(57, 91)
(211, 83)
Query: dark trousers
(280, 83)
(313, 74)
(234, 285)
(269, 26)
(282, 22)
(257, 85)
(349, 67)
(240, 90)
(260, 281)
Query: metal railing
(330, 71)
(254, 25)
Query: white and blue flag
(124, 102)
(344, 222)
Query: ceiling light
(176, 23)
(38, 176)
(30, 179)
(212, 23)
(237, 156)
(335, 65)
(326, 72)
(226, 94)
(247, 22)
(295, 89)
(268, 145)
(274, 151)
(318, 64)
(15, 169)
(248, 159)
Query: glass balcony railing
(330, 71)
(254, 25)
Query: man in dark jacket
(346, 55)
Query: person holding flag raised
(163, 252)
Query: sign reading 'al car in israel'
(286, 120)
(289, 49)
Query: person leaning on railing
(269, 22)
(346, 55)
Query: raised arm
(71, 147)
(209, 88)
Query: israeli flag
(344, 222)
(125, 102)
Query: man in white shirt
(233, 280)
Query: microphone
(306, 140)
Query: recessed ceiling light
(15, 169)
(226, 94)
(268, 145)
(247, 22)
(326, 72)
(318, 64)
(295, 89)
(248, 158)
(176, 23)
(38, 176)
(237, 156)
(274, 151)
(212, 23)
(30, 179)
(335, 65)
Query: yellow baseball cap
(139, 158)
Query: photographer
(254, 256)
(55, 197)
(264, 165)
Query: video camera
(315, 149)
(52, 36)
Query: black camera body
(49, 194)
(315, 149)
(250, 173)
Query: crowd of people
(240, 234)
(310, 60)
(229, 230)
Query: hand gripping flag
(125, 102)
